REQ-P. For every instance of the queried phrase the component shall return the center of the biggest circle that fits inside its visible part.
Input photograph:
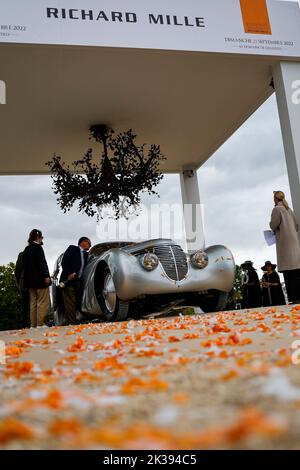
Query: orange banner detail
(255, 16)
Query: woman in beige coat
(285, 226)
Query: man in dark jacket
(36, 278)
(73, 263)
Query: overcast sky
(236, 186)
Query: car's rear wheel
(214, 301)
(113, 308)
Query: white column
(287, 87)
(192, 210)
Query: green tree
(9, 299)
(235, 296)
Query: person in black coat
(24, 293)
(36, 278)
(250, 286)
(73, 263)
(272, 292)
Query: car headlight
(149, 261)
(199, 259)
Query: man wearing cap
(36, 278)
(73, 263)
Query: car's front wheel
(214, 301)
(113, 308)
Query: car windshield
(97, 250)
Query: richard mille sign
(261, 27)
(123, 17)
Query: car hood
(147, 244)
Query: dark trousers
(72, 299)
(292, 284)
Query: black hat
(247, 263)
(264, 268)
(36, 232)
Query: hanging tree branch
(125, 170)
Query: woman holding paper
(285, 226)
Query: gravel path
(213, 381)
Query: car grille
(173, 261)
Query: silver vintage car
(125, 279)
